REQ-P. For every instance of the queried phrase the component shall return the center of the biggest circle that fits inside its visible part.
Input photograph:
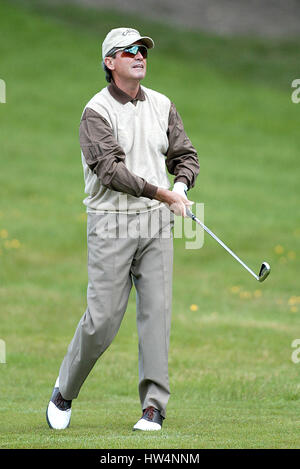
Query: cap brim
(147, 41)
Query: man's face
(125, 66)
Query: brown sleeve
(106, 158)
(182, 159)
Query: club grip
(189, 213)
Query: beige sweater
(125, 145)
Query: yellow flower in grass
(12, 244)
(3, 234)
(278, 249)
(235, 289)
(194, 307)
(15, 243)
(294, 309)
(291, 255)
(257, 293)
(294, 300)
(245, 295)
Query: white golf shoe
(151, 420)
(58, 412)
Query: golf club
(264, 269)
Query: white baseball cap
(123, 37)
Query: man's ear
(109, 62)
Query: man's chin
(139, 75)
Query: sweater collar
(123, 97)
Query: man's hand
(177, 203)
(180, 188)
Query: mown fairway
(233, 382)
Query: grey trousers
(125, 249)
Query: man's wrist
(161, 194)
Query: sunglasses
(133, 50)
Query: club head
(264, 271)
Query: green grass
(232, 380)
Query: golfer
(129, 136)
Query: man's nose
(139, 55)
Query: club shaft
(190, 214)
